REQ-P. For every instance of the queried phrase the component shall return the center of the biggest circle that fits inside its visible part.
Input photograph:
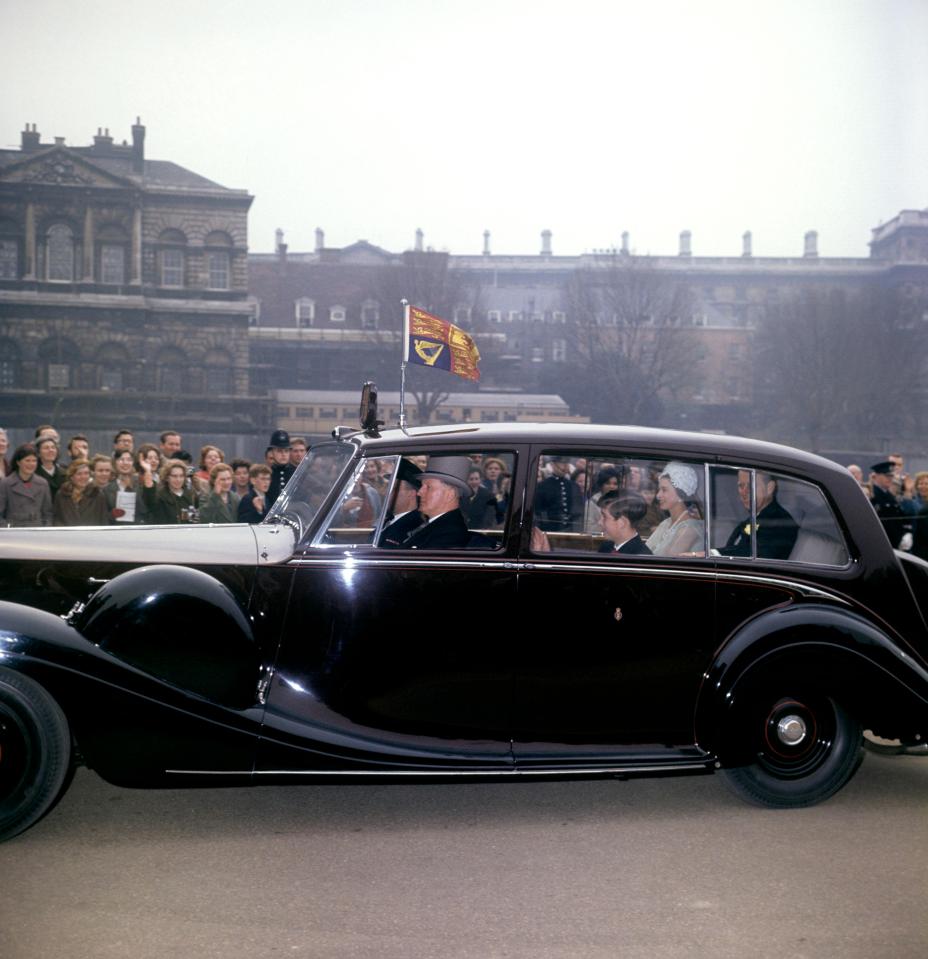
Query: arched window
(60, 357)
(112, 362)
(112, 246)
(9, 250)
(9, 364)
(171, 364)
(172, 258)
(60, 253)
(217, 365)
(218, 260)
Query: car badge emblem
(618, 613)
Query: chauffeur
(776, 529)
(443, 484)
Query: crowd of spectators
(43, 484)
(900, 500)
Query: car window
(619, 504)
(386, 502)
(302, 497)
(768, 516)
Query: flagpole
(405, 303)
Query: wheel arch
(834, 651)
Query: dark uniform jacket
(632, 546)
(890, 513)
(395, 533)
(558, 504)
(246, 508)
(776, 534)
(448, 531)
(280, 473)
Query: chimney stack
(811, 244)
(546, 243)
(102, 141)
(31, 139)
(420, 236)
(278, 239)
(486, 242)
(138, 146)
(685, 243)
(320, 240)
(625, 243)
(746, 244)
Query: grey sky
(370, 119)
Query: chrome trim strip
(781, 582)
(560, 771)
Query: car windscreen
(306, 491)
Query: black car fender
(180, 625)
(791, 649)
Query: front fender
(835, 651)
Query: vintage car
(309, 648)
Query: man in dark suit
(405, 516)
(443, 484)
(621, 514)
(776, 528)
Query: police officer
(281, 467)
(885, 503)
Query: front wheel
(35, 752)
(800, 749)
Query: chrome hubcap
(791, 730)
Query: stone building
(123, 291)
(327, 318)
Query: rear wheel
(801, 750)
(35, 752)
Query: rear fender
(835, 652)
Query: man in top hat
(885, 503)
(442, 485)
(405, 515)
(281, 467)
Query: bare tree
(630, 348)
(839, 368)
(425, 281)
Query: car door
(392, 657)
(612, 646)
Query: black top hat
(410, 473)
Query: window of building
(9, 259)
(9, 364)
(558, 316)
(112, 264)
(493, 316)
(172, 267)
(538, 354)
(514, 316)
(306, 412)
(462, 315)
(60, 253)
(59, 376)
(305, 311)
(218, 266)
(559, 350)
(337, 314)
(370, 315)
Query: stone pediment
(363, 253)
(59, 166)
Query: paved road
(659, 868)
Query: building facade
(123, 291)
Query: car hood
(235, 544)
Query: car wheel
(802, 750)
(35, 752)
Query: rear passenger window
(619, 505)
(759, 515)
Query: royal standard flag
(432, 341)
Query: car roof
(733, 448)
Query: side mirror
(368, 413)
